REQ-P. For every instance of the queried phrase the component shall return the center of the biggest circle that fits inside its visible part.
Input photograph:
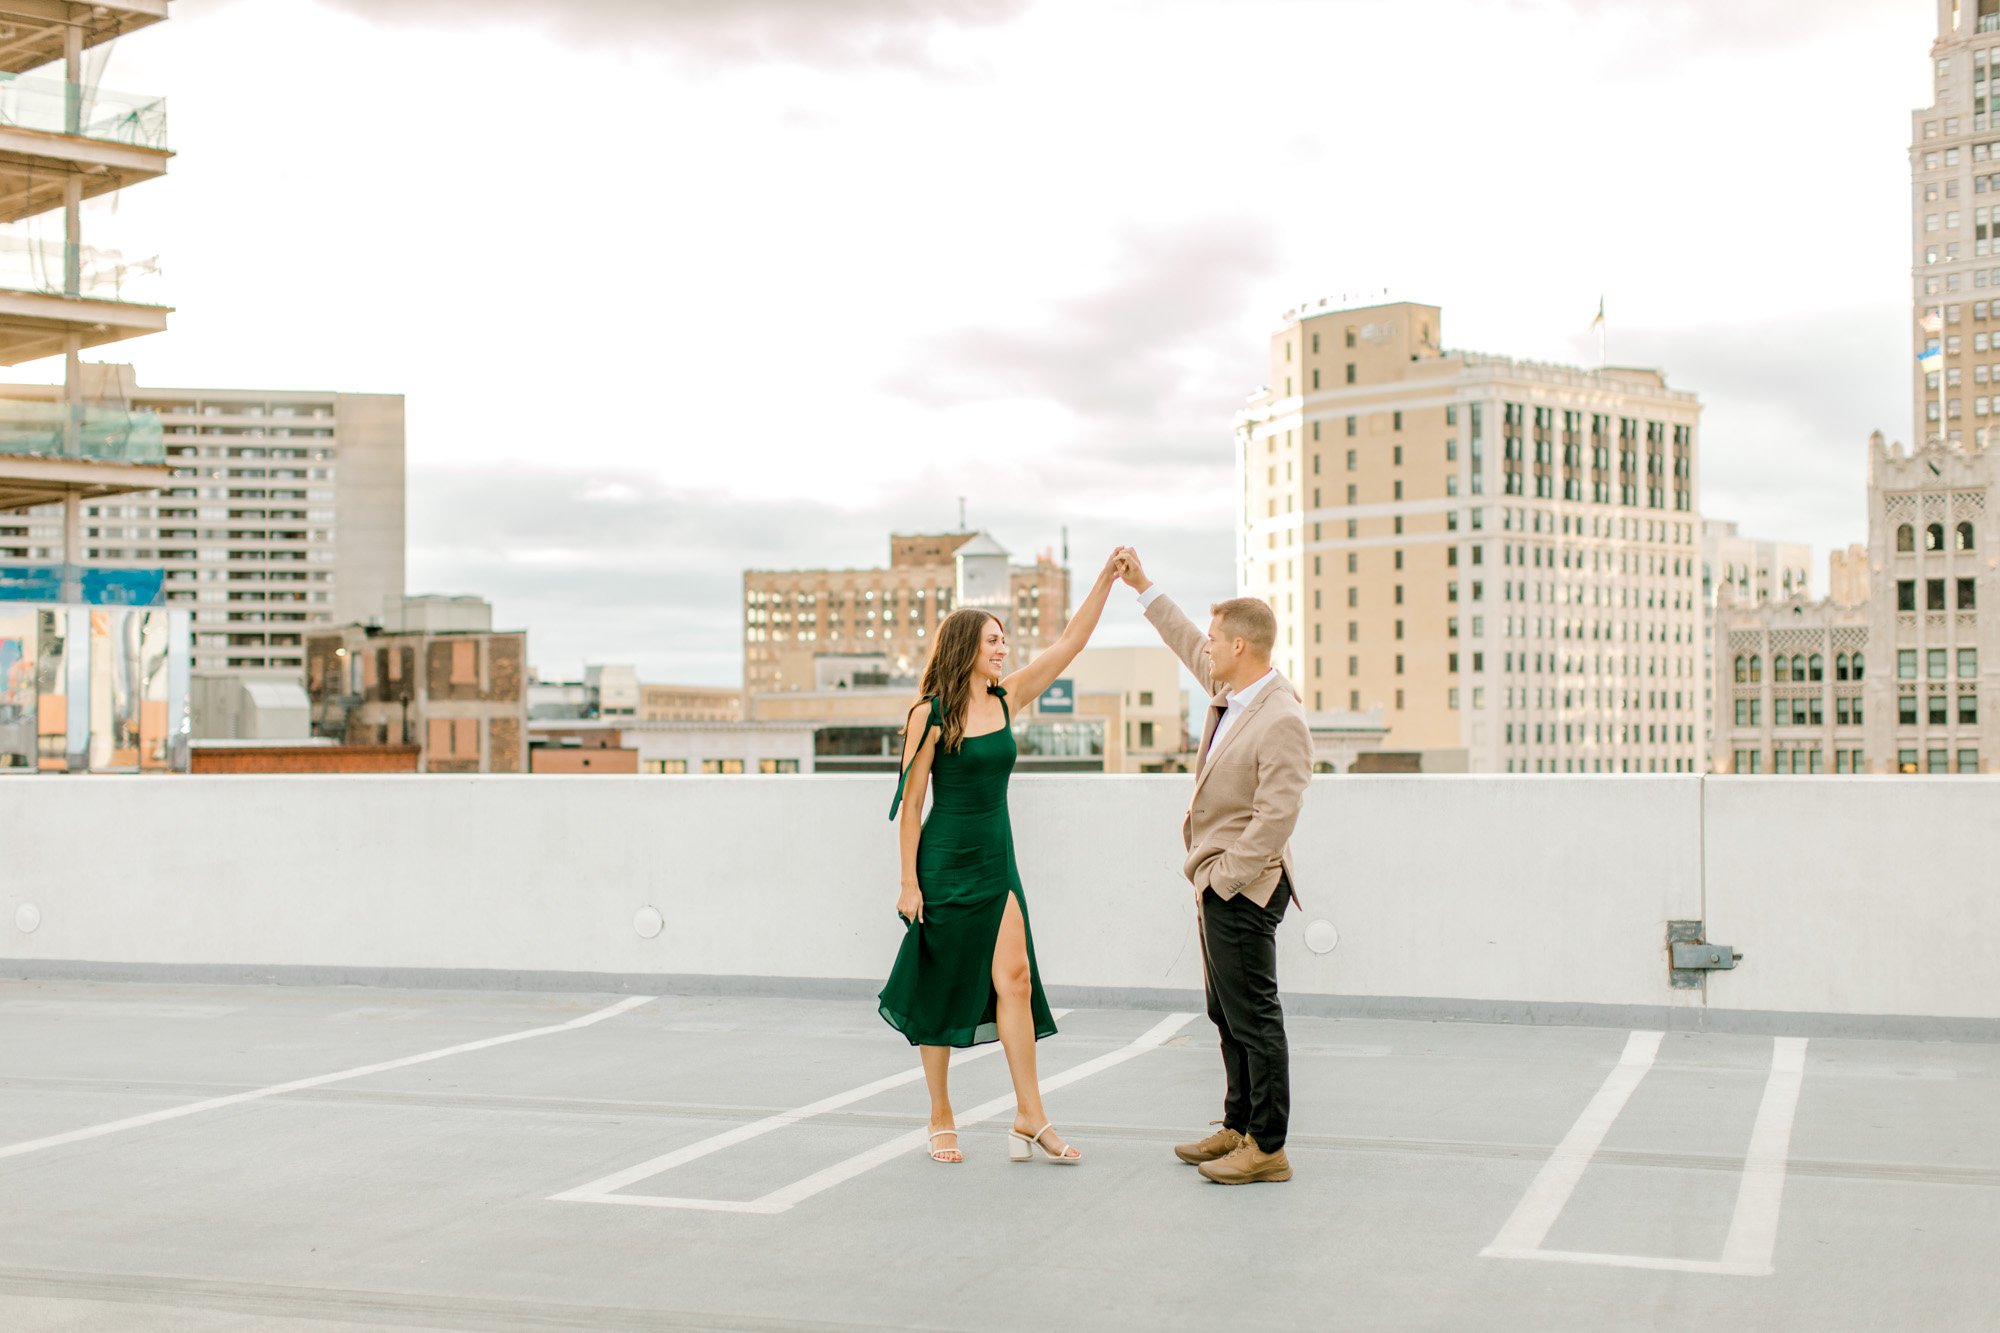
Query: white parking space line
(1557, 1180)
(320, 1080)
(1753, 1226)
(729, 1138)
(788, 1196)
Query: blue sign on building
(101, 587)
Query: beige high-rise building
(793, 617)
(283, 512)
(1955, 228)
(1504, 555)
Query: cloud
(827, 34)
(1788, 406)
(1151, 364)
(1731, 27)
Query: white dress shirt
(1238, 701)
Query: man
(1254, 766)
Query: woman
(966, 972)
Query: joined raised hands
(1131, 570)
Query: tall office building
(1955, 231)
(1502, 554)
(1889, 674)
(283, 511)
(793, 617)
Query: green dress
(940, 992)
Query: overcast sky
(679, 287)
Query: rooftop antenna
(961, 513)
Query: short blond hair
(1250, 619)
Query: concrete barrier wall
(1859, 896)
(1856, 896)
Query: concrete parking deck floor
(156, 1173)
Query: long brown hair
(948, 675)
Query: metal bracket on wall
(1690, 957)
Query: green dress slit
(940, 992)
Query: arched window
(1906, 538)
(1781, 668)
(1816, 668)
(1965, 536)
(1840, 666)
(1856, 668)
(1742, 669)
(1756, 668)
(1934, 537)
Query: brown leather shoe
(1219, 1144)
(1249, 1165)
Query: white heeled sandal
(936, 1153)
(1021, 1148)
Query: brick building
(458, 694)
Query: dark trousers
(1239, 948)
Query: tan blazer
(1248, 791)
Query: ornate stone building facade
(1899, 682)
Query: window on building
(1756, 668)
(664, 766)
(1938, 711)
(1934, 537)
(1906, 664)
(1906, 761)
(722, 765)
(1859, 666)
(1968, 709)
(1906, 538)
(780, 765)
(1968, 663)
(1965, 537)
(464, 662)
(1781, 669)
(1936, 663)
(1906, 710)
(1968, 761)
(1906, 594)
(1934, 594)
(1967, 594)
(1937, 761)
(1840, 666)
(1743, 668)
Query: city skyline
(991, 263)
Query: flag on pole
(1931, 322)
(1930, 358)
(1598, 323)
